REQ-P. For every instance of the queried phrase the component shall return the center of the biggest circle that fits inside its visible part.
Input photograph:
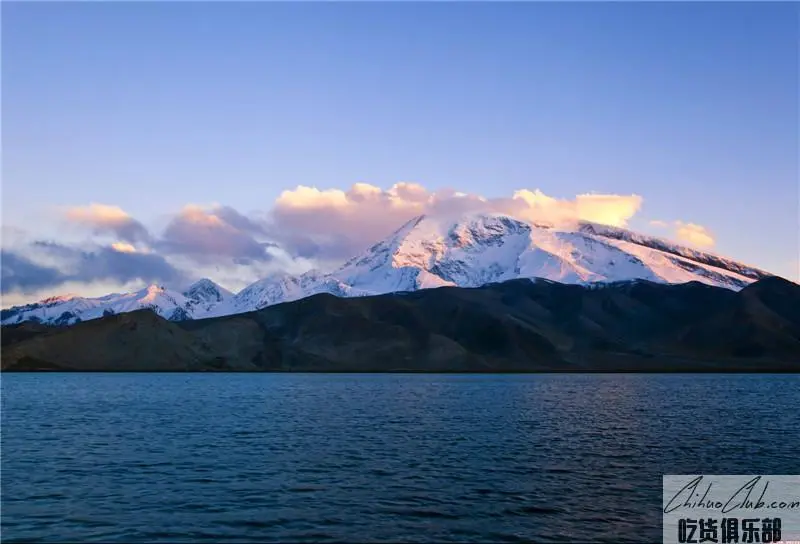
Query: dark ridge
(12, 334)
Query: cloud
(106, 263)
(607, 209)
(11, 236)
(335, 224)
(238, 221)
(689, 233)
(123, 247)
(305, 227)
(332, 224)
(195, 239)
(206, 235)
(104, 219)
(21, 273)
(693, 234)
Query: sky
(160, 141)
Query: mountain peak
(206, 291)
(57, 299)
(150, 293)
(477, 248)
(202, 283)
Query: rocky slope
(430, 252)
(514, 326)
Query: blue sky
(150, 106)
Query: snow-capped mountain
(430, 252)
(279, 288)
(486, 248)
(204, 295)
(197, 300)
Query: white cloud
(691, 234)
(694, 234)
(123, 247)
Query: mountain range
(513, 326)
(467, 251)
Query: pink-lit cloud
(694, 234)
(304, 227)
(690, 234)
(333, 223)
(207, 234)
(105, 219)
(123, 247)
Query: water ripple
(373, 458)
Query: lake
(381, 457)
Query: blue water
(363, 458)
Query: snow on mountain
(280, 287)
(478, 249)
(204, 295)
(67, 310)
(431, 252)
(486, 248)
